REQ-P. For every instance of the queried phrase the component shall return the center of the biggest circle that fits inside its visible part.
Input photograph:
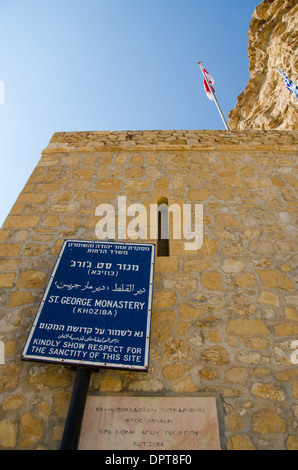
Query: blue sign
(96, 309)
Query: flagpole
(214, 97)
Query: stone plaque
(150, 423)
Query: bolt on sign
(96, 309)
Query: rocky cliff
(266, 103)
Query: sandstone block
(256, 343)
(166, 264)
(209, 374)
(152, 385)
(8, 434)
(214, 336)
(35, 198)
(233, 421)
(136, 160)
(269, 298)
(13, 402)
(240, 443)
(244, 326)
(295, 389)
(162, 324)
(35, 249)
(134, 172)
(31, 430)
(70, 159)
(195, 265)
(224, 194)
(45, 408)
(187, 312)
(182, 327)
(64, 208)
(106, 184)
(286, 329)
(50, 377)
(291, 313)
(216, 355)
(233, 266)
(261, 247)
(185, 385)
(83, 173)
(180, 282)
(163, 299)
(268, 391)
(9, 376)
(61, 400)
(63, 196)
(174, 371)
(257, 183)
(6, 279)
(198, 194)
(237, 375)
(10, 249)
(111, 384)
(227, 220)
(233, 182)
(161, 183)
(47, 187)
(291, 180)
(292, 443)
(3, 235)
(178, 181)
(178, 349)
(209, 246)
(252, 358)
(275, 278)
(268, 421)
(245, 280)
(51, 221)
(19, 298)
(211, 280)
(136, 184)
(152, 172)
(32, 279)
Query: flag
(206, 86)
(210, 92)
(289, 83)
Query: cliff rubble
(266, 103)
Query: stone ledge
(99, 141)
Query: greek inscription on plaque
(150, 423)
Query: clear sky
(85, 65)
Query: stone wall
(224, 317)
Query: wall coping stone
(172, 140)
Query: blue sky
(84, 65)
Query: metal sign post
(95, 312)
(72, 428)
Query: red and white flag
(210, 92)
(206, 86)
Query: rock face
(266, 103)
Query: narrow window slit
(163, 246)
